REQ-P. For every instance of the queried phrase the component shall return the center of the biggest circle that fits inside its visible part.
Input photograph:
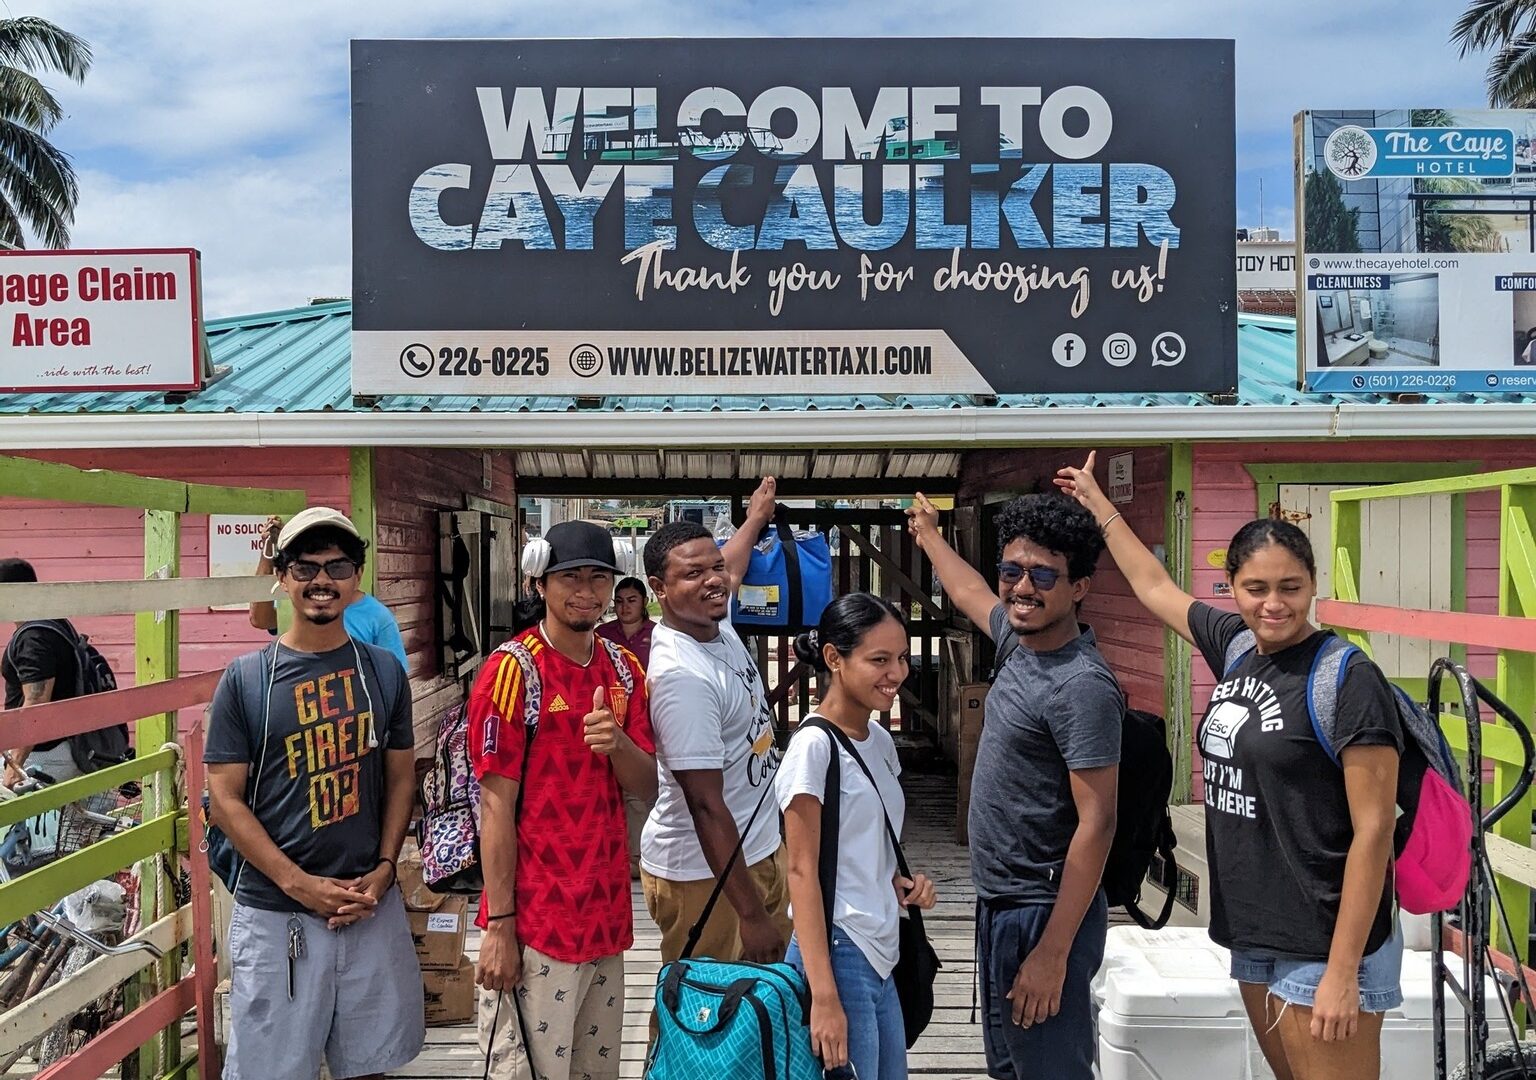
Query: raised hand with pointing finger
(922, 518)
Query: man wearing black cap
(554, 846)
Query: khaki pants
(574, 1015)
(636, 810)
(677, 905)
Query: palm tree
(38, 191)
(1445, 230)
(1509, 28)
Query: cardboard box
(412, 888)
(439, 935)
(973, 696)
(450, 995)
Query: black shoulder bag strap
(1002, 651)
(841, 739)
(793, 582)
(831, 823)
(697, 929)
(1169, 883)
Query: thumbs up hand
(602, 731)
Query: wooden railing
(169, 763)
(1511, 632)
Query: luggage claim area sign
(810, 217)
(99, 320)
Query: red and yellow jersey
(572, 900)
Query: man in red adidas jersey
(554, 847)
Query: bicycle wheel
(1506, 1061)
(65, 1037)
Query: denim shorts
(1295, 981)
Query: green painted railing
(1511, 632)
(162, 839)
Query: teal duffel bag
(717, 1021)
(721, 1020)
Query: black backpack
(1143, 827)
(106, 746)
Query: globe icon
(586, 360)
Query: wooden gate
(872, 552)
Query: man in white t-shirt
(715, 752)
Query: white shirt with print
(865, 905)
(709, 710)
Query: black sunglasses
(1043, 578)
(335, 569)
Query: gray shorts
(357, 999)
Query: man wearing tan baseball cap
(311, 775)
(365, 618)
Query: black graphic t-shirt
(320, 795)
(1277, 825)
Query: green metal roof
(298, 360)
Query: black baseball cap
(580, 543)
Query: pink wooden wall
(410, 487)
(1130, 638)
(1224, 500)
(69, 542)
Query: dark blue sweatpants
(1062, 1047)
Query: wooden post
(363, 512)
(1516, 684)
(157, 637)
(1178, 705)
(202, 909)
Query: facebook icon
(1068, 350)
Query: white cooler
(1168, 1009)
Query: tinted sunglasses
(335, 569)
(1043, 578)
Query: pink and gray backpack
(1433, 839)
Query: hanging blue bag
(788, 582)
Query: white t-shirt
(709, 710)
(865, 905)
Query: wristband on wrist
(1111, 521)
(498, 918)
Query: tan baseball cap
(313, 518)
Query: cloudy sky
(225, 126)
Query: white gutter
(906, 428)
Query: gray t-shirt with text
(1048, 713)
(320, 795)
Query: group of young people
(310, 776)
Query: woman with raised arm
(1300, 843)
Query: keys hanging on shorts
(295, 949)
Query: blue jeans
(877, 1042)
(1062, 1048)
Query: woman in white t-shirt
(855, 1014)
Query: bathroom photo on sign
(1379, 320)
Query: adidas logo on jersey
(559, 705)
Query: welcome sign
(809, 217)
